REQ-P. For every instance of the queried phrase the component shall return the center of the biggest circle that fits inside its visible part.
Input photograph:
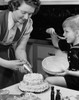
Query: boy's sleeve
(63, 45)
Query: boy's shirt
(73, 54)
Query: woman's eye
(23, 12)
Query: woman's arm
(12, 64)
(20, 51)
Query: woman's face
(69, 35)
(23, 12)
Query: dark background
(50, 16)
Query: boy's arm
(73, 73)
(54, 37)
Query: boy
(69, 78)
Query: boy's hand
(50, 30)
(62, 73)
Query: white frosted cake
(33, 82)
(33, 79)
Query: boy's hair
(72, 22)
(14, 4)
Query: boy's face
(23, 12)
(70, 35)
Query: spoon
(52, 31)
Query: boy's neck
(76, 42)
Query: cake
(33, 82)
(33, 79)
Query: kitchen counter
(45, 95)
(38, 49)
(46, 41)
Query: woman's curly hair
(14, 4)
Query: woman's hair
(72, 22)
(14, 4)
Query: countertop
(46, 41)
(45, 95)
(40, 41)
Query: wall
(52, 16)
(59, 2)
(3, 2)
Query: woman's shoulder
(3, 15)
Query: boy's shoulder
(63, 45)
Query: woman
(15, 29)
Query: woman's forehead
(26, 7)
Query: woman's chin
(68, 41)
(21, 22)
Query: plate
(26, 96)
(55, 64)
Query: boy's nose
(63, 34)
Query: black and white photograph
(39, 49)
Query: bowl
(55, 64)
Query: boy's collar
(75, 46)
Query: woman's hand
(14, 64)
(26, 67)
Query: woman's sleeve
(63, 45)
(29, 27)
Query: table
(45, 95)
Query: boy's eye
(66, 31)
